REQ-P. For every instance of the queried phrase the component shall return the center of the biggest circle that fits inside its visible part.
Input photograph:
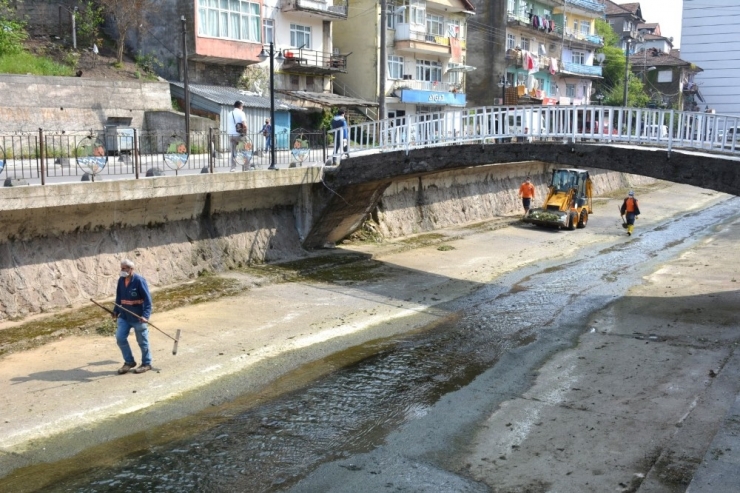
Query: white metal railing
(608, 125)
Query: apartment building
(426, 55)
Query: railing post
(42, 155)
(326, 141)
(670, 131)
(211, 150)
(137, 161)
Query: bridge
(699, 149)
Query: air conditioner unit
(407, 77)
(335, 51)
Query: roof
(656, 58)
(622, 9)
(228, 95)
(328, 99)
(653, 27)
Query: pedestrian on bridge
(340, 129)
(631, 209)
(236, 127)
(526, 193)
(132, 293)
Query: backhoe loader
(568, 202)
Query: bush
(12, 35)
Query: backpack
(241, 127)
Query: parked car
(732, 134)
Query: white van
(524, 123)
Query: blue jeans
(268, 143)
(142, 338)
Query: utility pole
(382, 62)
(186, 86)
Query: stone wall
(74, 104)
(61, 244)
(441, 200)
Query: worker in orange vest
(526, 193)
(632, 210)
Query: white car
(732, 134)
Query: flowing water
(353, 409)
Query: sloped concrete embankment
(60, 245)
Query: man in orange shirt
(632, 210)
(526, 193)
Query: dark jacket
(636, 210)
(135, 297)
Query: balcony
(425, 85)
(586, 38)
(587, 5)
(515, 58)
(324, 9)
(313, 62)
(412, 41)
(570, 68)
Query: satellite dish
(600, 57)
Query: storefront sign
(432, 97)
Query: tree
(612, 84)
(127, 15)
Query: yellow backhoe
(568, 202)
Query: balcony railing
(425, 85)
(516, 58)
(330, 8)
(580, 69)
(588, 5)
(311, 60)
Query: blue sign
(432, 97)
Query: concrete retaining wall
(74, 104)
(61, 244)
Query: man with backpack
(236, 127)
(267, 134)
(341, 137)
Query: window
(510, 42)
(393, 19)
(454, 29)
(525, 44)
(570, 90)
(665, 76)
(578, 57)
(232, 19)
(575, 25)
(435, 25)
(418, 11)
(585, 28)
(541, 84)
(627, 26)
(300, 36)
(428, 71)
(511, 6)
(395, 67)
(269, 27)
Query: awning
(327, 99)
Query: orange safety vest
(630, 204)
(526, 190)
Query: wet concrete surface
(455, 405)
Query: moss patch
(340, 269)
(90, 320)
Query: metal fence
(41, 157)
(607, 125)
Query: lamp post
(263, 56)
(186, 85)
(600, 98)
(629, 40)
(503, 84)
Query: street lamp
(263, 56)
(503, 84)
(185, 83)
(628, 40)
(600, 98)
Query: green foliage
(147, 63)
(88, 21)
(636, 97)
(26, 63)
(612, 85)
(12, 32)
(604, 30)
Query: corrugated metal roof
(228, 95)
(328, 99)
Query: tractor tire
(572, 221)
(583, 219)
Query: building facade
(711, 40)
(426, 55)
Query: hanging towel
(553, 66)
